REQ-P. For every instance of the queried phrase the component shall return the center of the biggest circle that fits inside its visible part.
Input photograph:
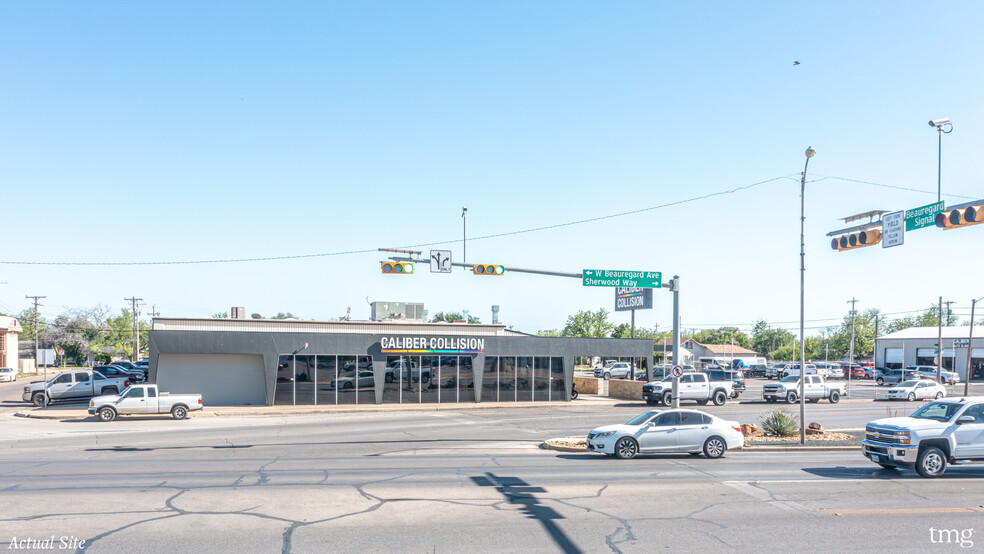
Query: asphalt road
(468, 480)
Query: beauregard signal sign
(615, 278)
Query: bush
(780, 423)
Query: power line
(822, 177)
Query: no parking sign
(677, 371)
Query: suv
(929, 372)
(896, 376)
(793, 370)
(814, 388)
(618, 369)
(941, 432)
(732, 375)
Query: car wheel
(179, 412)
(714, 447)
(107, 414)
(347, 386)
(931, 462)
(720, 398)
(608, 376)
(667, 398)
(834, 397)
(389, 378)
(939, 395)
(39, 399)
(879, 381)
(912, 396)
(791, 398)
(734, 395)
(626, 448)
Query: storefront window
(507, 379)
(428, 378)
(490, 380)
(325, 375)
(284, 393)
(367, 381)
(392, 387)
(557, 379)
(466, 380)
(541, 379)
(447, 379)
(303, 380)
(345, 384)
(524, 379)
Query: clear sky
(188, 131)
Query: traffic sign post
(618, 278)
(893, 230)
(923, 216)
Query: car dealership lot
(461, 479)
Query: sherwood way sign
(614, 278)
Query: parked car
(692, 386)
(834, 371)
(735, 376)
(668, 431)
(144, 399)
(774, 371)
(929, 372)
(896, 376)
(814, 389)
(793, 370)
(7, 374)
(756, 370)
(366, 379)
(73, 384)
(114, 371)
(858, 372)
(620, 370)
(133, 369)
(920, 389)
(948, 431)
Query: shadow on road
(842, 472)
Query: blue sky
(181, 131)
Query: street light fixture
(942, 126)
(810, 152)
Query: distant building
(9, 329)
(409, 311)
(917, 346)
(717, 351)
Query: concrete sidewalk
(55, 412)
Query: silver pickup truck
(144, 399)
(73, 384)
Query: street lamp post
(810, 152)
(942, 126)
(970, 348)
(464, 246)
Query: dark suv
(116, 371)
(732, 375)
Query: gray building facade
(918, 346)
(289, 362)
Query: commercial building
(288, 362)
(917, 346)
(9, 329)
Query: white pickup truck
(73, 384)
(814, 389)
(693, 386)
(144, 399)
(941, 432)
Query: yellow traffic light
(868, 237)
(960, 217)
(488, 269)
(396, 267)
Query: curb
(547, 446)
(801, 448)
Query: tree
(282, 315)
(624, 331)
(451, 317)
(766, 341)
(864, 334)
(119, 336)
(79, 331)
(588, 324)
(722, 335)
(26, 319)
(221, 315)
(928, 318)
(548, 333)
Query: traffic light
(488, 269)
(396, 267)
(868, 237)
(961, 217)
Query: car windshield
(940, 411)
(790, 379)
(123, 392)
(908, 383)
(642, 418)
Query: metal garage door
(222, 379)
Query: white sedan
(657, 431)
(7, 374)
(916, 390)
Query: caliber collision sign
(633, 299)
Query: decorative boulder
(750, 430)
(814, 429)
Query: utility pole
(136, 328)
(948, 312)
(850, 364)
(939, 344)
(36, 298)
(970, 349)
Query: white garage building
(917, 346)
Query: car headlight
(605, 434)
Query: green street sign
(615, 278)
(923, 216)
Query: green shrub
(780, 423)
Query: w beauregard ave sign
(617, 278)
